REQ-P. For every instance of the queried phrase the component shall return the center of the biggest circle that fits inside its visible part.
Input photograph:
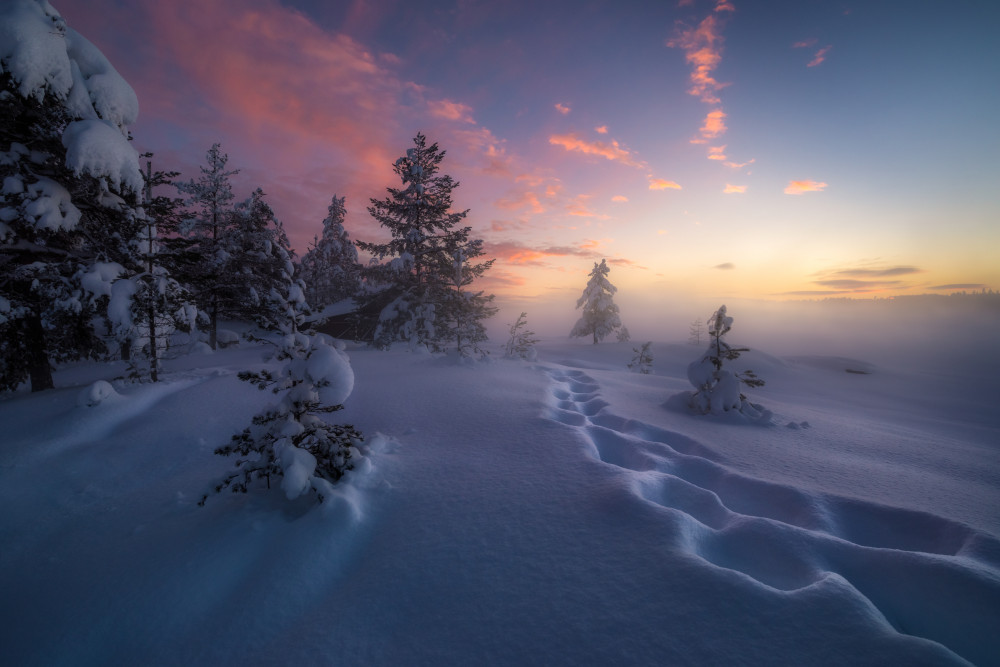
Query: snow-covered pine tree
(419, 278)
(211, 197)
(68, 171)
(600, 314)
(259, 266)
(330, 269)
(148, 304)
(461, 313)
(717, 389)
(291, 440)
(522, 340)
(642, 362)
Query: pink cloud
(451, 110)
(734, 189)
(702, 46)
(562, 108)
(609, 151)
(716, 153)
(802, 187)
(805, 44)
(603, 129)
(714, 124)
(619, 199)
(819, 57)
(739, 165)
(663, 184)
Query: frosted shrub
(642, 362)
(290, 440)
(718, 389)
(522, 340)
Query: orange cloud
(806, 43)
(739, 165)
(663, 184)
(619, 198)
(716, 153)
(714, 124)
(802, 187)
(819, 57)
(513, 252)
(609, 151)
(725, 6)
(451, 110)
(734, 189)
(603, 129)
(562, 108)
(702, 48)
(578, 207)
(527, 200)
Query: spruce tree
(330, 268)
(429, 258)
(600, 314)
(70, 184)
(211, 197)
(259, 266)
(717, 389)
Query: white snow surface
(560, 512)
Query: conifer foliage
(210, 198)
(600, 314)
(431, 259)
(718, 388)
(522, 340)
(330, 268)
(70, 181)
(291, 441)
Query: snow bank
(96, 394)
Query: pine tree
(717, 389)
(643, 359)
(461, 313)
(259, 266)
(522, 340)
(600, 314)
(70, 184)
(330, 268)
(211, 197)
(696, 332)
(291, 441)
(429, 258)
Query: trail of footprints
(926, 575)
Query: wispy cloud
(727, 266)
(734, 189)
(716, 152)
(819, 57)
(515, 252)
(954, 286)
(619, 198)
(876, 273)
(602, 129)
(802, 187)
(714, 124)
(663, 184)
(562, 108)
(805, 43)
(850, 285)
(451, 110)
(739, 165)
(702, 46)
(608, 150)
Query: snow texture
(562, 512)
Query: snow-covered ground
(562, 512)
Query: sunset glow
(664, 137)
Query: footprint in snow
(909, 565)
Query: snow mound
(96, 394)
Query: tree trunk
(213, 325)
(38, 359)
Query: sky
(709, 148)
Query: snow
(95, 147)
(564, 511)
